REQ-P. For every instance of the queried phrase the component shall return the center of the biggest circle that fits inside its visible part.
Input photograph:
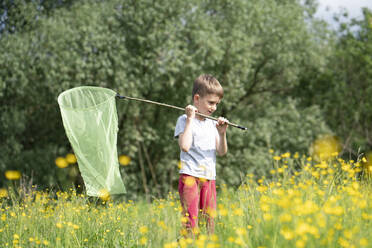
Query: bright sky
(353, 7)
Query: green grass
(319, 205)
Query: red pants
(197, 194)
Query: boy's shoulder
(182, 117)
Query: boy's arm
(221, 143)
(185, 138)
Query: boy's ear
(196, 97)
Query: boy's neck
(200, 118)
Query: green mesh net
(91, 123)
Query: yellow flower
(12, 175)
(241, 231)
(286, 155)
(287, 233)
(231, 239)
(143, 229)
(325, 147)
(179, 164)
(300, 243)
(124, 160)
(3, 193)
(222, 212)
(143, 241)
(363, 242)
(61, 162)
(285, 217)
(189, 181)
(70, 158)
(267, 216)
(211, 212)
(104, 194)
(276, 158)
(261, 188)
(59, 225)
(238, 212)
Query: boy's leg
(208, 202)
(189, 195)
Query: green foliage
(343, 88)
(259, 50)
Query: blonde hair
(206, 84)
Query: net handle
(179, 108)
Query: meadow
(302, 202)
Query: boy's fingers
(222, 121)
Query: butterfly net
(91, 123)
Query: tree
(154, 50)
(343, 88)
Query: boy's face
(206, 104)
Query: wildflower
(124, 160)
(3, 193)
(363, 242)
(267, 216)
(143, 241)
(238, 212)
(300, 243)
(276, 158)
(214, 238)
(12, 175)
(61, 162)
(143, 229)
(189, 181)
(180, 164)
(296, 155)
(231, 239)
(211, 212)
(70, 158)
(326, 147)
(241, 231)
(104, 194)
(59, 225)
(343, 242)
(261, 189)
(285, 217)
(287, 233)
(286, 155)
(222, 211)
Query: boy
(199, 140)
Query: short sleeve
(180, 126)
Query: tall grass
(303, 204)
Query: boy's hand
(190, 111)
(222, 125)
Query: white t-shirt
(200, 160)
